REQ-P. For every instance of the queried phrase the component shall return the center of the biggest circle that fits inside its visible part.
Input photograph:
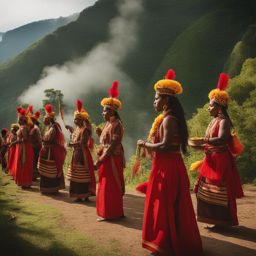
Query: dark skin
(47, 121)
(108, 115)
(34, 120)
(22, 120)
(224, 129)
(13, 131)
(169, 126)
(79, 123)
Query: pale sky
(15, 13)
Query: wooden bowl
(196, 142)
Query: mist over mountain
(134, 42)
(16, 40)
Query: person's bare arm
(223, 135)
(169, 131)
(69, 128)
(98, 131)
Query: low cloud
(98, 68)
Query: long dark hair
(224, 111)
(116, 114)
(178, 112)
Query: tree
(55, 98)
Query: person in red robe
(169, 225)
(81, 169)
(12, 148)
(111, 187)
(52, 155)
(4, 149)
(218, 183)
(36, 140)
(23, 160)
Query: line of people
(169, 225)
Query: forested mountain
(194, 37)
(242, 90)
(16, 40)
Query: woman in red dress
(36, 140)
(110, 161)
(169, 225)
(52, 155)
(81, 169)
(218, 184)
(12, 147)
(23, 160)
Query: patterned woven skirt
(49, 182)
(213, 204)
(80, 180)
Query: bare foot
(208, 226)
(99, 219)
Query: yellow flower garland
(157, 122)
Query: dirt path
(126, 233)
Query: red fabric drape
(142, 187)
(220, 167)
(59, 150)
(23, 164)
(109, 201)
(169, 225)
(91, 170)
(10, 160)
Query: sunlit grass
(32, 228)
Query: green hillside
(16, 40)
(195, 37)
(198, 54)
(64, 44)
(246, 48)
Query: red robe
(11, 154)
(109, 201)
(81, 169)
(36, 140)
(23, 160)
(51, 160)
(218, 171)
(169, 225)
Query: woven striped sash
(78, 173)
(47, 168)
(212, 194)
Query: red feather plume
(29, 109)
(79, 105)
(48, 108)
(113, 91)
(170, 74)
(21, 111)
(223, 81)
(37, 114)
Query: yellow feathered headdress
(15, 126)
(168, 85)
(220, 95)
(80, 112)
(112, 101)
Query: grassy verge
(29, 228)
